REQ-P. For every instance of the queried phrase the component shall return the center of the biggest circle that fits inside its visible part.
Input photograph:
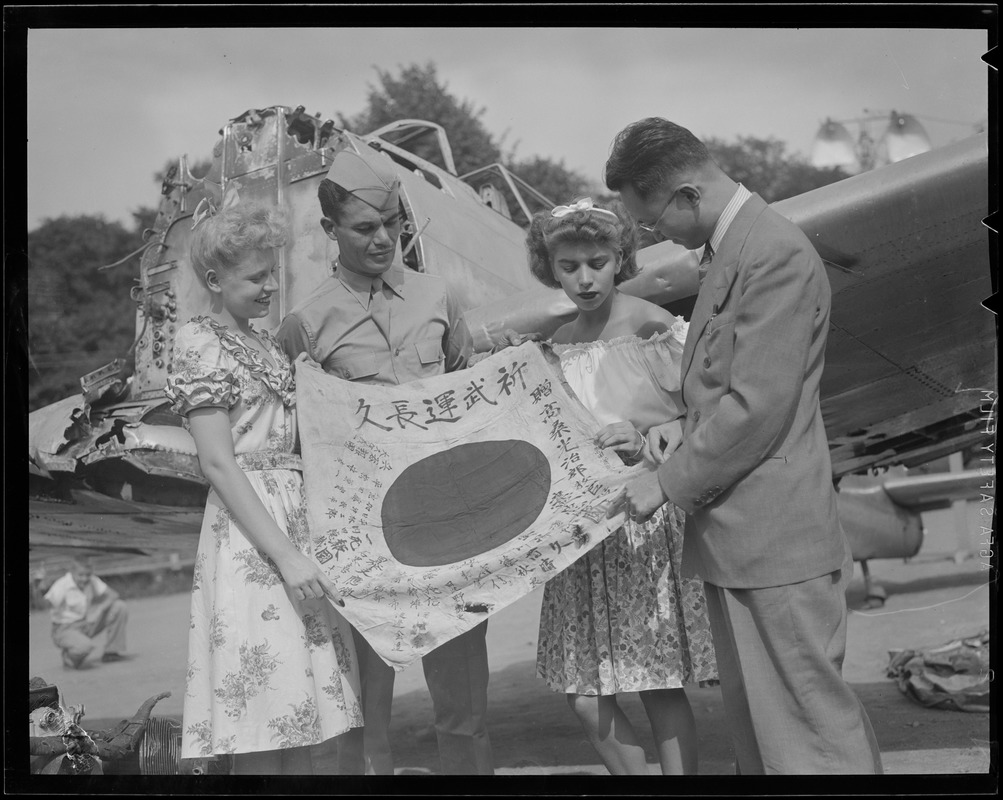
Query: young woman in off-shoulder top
(621, 619)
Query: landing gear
(874, 595)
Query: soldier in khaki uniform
(376, 322)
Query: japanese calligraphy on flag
(436, 503)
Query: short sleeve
(665, 357)
(100, 587)
(292, 337)
(203, 374)
(56, 593)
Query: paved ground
(931, 600)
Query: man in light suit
(753, 470)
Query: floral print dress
(265, 671)
(621, 618)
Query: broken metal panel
(108, 383)
(70, 437)
(48, 432)
(155, 450)
(245, 158)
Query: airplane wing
(938, 490)
(911, 354)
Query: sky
(117, 104)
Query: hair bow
(585, 204)
(207, 208)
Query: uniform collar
(361, 286)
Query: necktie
(705, 259)
(379, 308)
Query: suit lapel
(720, 277)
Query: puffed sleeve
(56, 592)
(665, 357)
(203, 374)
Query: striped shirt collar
(728, 216)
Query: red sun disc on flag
(464, 501)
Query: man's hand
(100, 604)
(663, 440)
(641, 497)
(623, 437)
(509, 338)
(512, 338)
(304, 358)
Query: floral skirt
(621, 619)
(265, 671)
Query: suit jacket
(753, 472)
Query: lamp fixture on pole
(834, 146)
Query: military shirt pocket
(429, 351)
(355, 369)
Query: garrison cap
(366, 176)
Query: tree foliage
(79, 318)
(764, 166)
(551, 178)
(418, 93)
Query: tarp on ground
(954, 676)
(437, 503)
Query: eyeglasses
(652, 228)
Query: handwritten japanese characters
(436, 503)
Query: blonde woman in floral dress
(621, 619)
(271, 664)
